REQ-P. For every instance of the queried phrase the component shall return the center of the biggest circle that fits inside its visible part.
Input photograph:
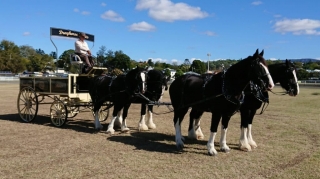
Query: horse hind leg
(177, 119)
(194, 131)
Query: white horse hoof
(125, 130)
(253, 144)
(142, 127)
(152, 126)
(246, 148)
(225, 150)
(110, 131)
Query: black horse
(283, 73)
(220, 94)
(156, 84)
(120, 90)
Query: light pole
(208, 54)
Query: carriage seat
(75, 59)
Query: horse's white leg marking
(179, 139)
(210, 144)
(118, 121)
(124, 127)
(97, 124)
(196, 132)
(150, 123)
(243, 142)
(111, 124)
(296, 80)
(142, 124)
(223, 140)
(271, 84)
(251, 142)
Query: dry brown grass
(287, 135)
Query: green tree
(10, 58)
(178, 73)
(120, 60)
(101, 55)
(198, 67)
(150, 63)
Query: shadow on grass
(85, 126)
(164, 143)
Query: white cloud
(142, 26)
(273, 59)
(256, 3)
(85, 13)
(159, 60)
(111, 15)
(298, 26)
(26, 33)
(165, 10)
(210, 33)
(103, 4)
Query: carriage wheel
(104, 111)
(27, 104)
(58, 113)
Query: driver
(83, 51)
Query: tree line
(17, 59)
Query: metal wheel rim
(104, 114)
(72, 111)
(58, 113)
(27, 104)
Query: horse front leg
(223, 138)
(116, 109)
(142, 123)
(194, 131)
(124, 127)
(150, 123)
(243, 142)
(251, 142)
(97, 124)
(215, 119)
(118, 120)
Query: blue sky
(170, 30)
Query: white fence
(9, 78)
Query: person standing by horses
(83, 51)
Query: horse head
(156, 83)
(135, 80)
(289, 79)
(259, 72)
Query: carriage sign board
(69, 33)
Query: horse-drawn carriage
(70, 94)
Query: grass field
(287, 135)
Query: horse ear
(287, 63)
(261, 53)
(256, 53)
